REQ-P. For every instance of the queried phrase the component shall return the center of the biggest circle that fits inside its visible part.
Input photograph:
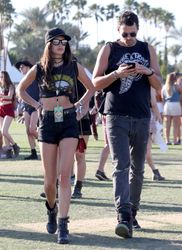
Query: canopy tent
(13, 72)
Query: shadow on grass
(161, 208)
(20, 198)
(95, 240)
(23, 181)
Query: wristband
(39, 105)
(115, 75)
(152, 72)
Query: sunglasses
(132, 34)
(57, 42)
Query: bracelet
(40, 105)
(115, 75)
(80, 103)
(152, 72)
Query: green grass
(93, 218)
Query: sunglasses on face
(132, 34)
(57, 42)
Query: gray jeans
(128, 139)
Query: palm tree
(175, 51)
(97, 11)
(80, 5)
(60, 9)
(28, 36)
(6, 21)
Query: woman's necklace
(57, 60)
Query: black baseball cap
(24, 62)
(54, 32)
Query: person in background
(80, 161)
(58, 131)
(126, 69)
(7, 114)
(100, 173)
(30, 114)
(155, 116)
(171, 92)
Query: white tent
(13, 72)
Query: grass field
(92, 218)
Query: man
(30, 114)
(126, 69)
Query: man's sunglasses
(57, 42)
(132, 34)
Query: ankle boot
(16, 149)
(32, 156)
(63, 233)
(157, 176)
(52, 218)
(77, 190)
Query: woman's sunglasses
(57, 42)
(132, 34)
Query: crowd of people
(59, 105)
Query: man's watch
(152, 72)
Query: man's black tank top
(128, 96)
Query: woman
(7, 95)
(58, 127)
(171, 92)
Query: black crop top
(63, 81)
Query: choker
(58, 62)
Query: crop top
(62, 82)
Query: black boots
(157, 176)
(33, 155)
(63, 233)
(52, 218)
(16, 149)
(124, 226)
(77, 190)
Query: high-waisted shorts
(7, 110)
(53, 132)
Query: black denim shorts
(53, 132)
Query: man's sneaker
(76, 194)
(101, 176)
(135, 224)
(16, 149)
(124, 226)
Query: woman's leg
(5, 129)
(49, 162)
(168, 127)
(80, 170)
(176, 129)
(67, 148)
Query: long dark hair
(46, 60)
(6, 80)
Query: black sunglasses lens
(132, 34)
(125, 35)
